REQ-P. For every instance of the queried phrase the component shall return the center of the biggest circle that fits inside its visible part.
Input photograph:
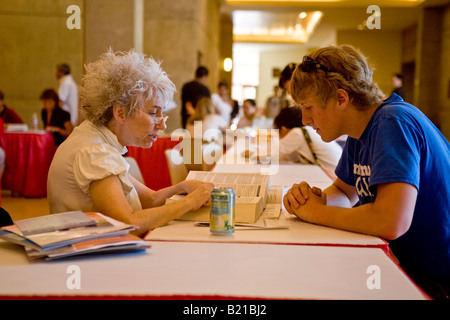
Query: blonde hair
(349, 71)
(127, 78)
(203, 107)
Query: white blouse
(87, 155)
(211, 126)
(224, 107)
(295, 148)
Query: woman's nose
(162, 125)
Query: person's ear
(119, 112)
(342, 98)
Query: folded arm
(389, 217)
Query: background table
(28, 156)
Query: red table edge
(132, 297)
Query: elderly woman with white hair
(123, 97)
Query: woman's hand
(191, 185)
(298, 195)
(200, 196)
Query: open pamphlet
(71, 233)
(251, 191)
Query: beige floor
(23, 208)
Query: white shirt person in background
(222, 102)
(205, 113)
(68, 92)
(302, 144)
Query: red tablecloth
(153, 163)
(27, 159)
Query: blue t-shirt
(400, 144)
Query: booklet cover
(126, 242)
(103, 227)
(54, 222)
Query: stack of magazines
(71, 233)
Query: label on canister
(222, 211)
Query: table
(171, 270)
(28, 156)
(152, 162)
(299, 232)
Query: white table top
(299, 232)
(202, 270)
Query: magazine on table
(71, 233)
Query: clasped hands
(304, 201)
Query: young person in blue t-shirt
(392, 178)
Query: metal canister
(222, 211)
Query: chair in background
(194, 154)
(175, 163)
(134, 169)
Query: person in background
(223, 102)
(285, 84)
(250, 113)
(236, 109)
(68, 92)
(273, 104)
(392, 178)
(205, 112)
(8, 115)
(123, 96)
(299, 143)
(55, 120)
(191, 92)
(397, 84)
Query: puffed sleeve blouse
(89, 154)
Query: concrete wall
(183, 35)
(109, 24)
(382, 49)
(34, 38)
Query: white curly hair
(128, 78)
